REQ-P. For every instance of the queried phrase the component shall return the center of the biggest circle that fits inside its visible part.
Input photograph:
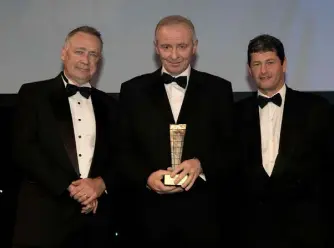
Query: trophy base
(170, 181)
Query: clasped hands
(86, 191)
(191, 168)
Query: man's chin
(174, 70)
(83, 80)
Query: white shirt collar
(71, 82)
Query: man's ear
(63, 53)
(155, 43)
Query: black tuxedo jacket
(289, 208)
(44, 148)
(145, 118)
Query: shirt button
(78, 102)
(80, 155)
(79, 136)
(79, 119)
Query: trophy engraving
(177, 133)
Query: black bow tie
(181, 81)
(263, 101)
(73, 89)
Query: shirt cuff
(202, 175)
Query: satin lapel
(62, 113)
(188, 110)
(158, 94)
(289, 130)
(101, 141)
(255, 145)
(161, 115)
(190, 101)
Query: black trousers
(97, 233)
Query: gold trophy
(177, 133)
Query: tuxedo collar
(158, 93)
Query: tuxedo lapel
(62, 113)
(289, 130)
(101, 116)
(161, 115)
(190, 100)
(159, 97)
(254, 135)
(188, 110)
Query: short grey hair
(87, 30)
(176, 19)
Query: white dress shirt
(175, 95)
(84, 126)
(270, 122)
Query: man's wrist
(200, 166)
(101, 185)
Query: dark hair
(266, 43)
(87, 30)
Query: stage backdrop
(33, 31)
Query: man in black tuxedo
(63, 142)
(175, 94)
(285, 142)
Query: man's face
(175, 47)
(267, 71)
(80, 57)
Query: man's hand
(87, 190)
(154, 183)
(191, 168)
(90, 207)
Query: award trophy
(177, 133)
